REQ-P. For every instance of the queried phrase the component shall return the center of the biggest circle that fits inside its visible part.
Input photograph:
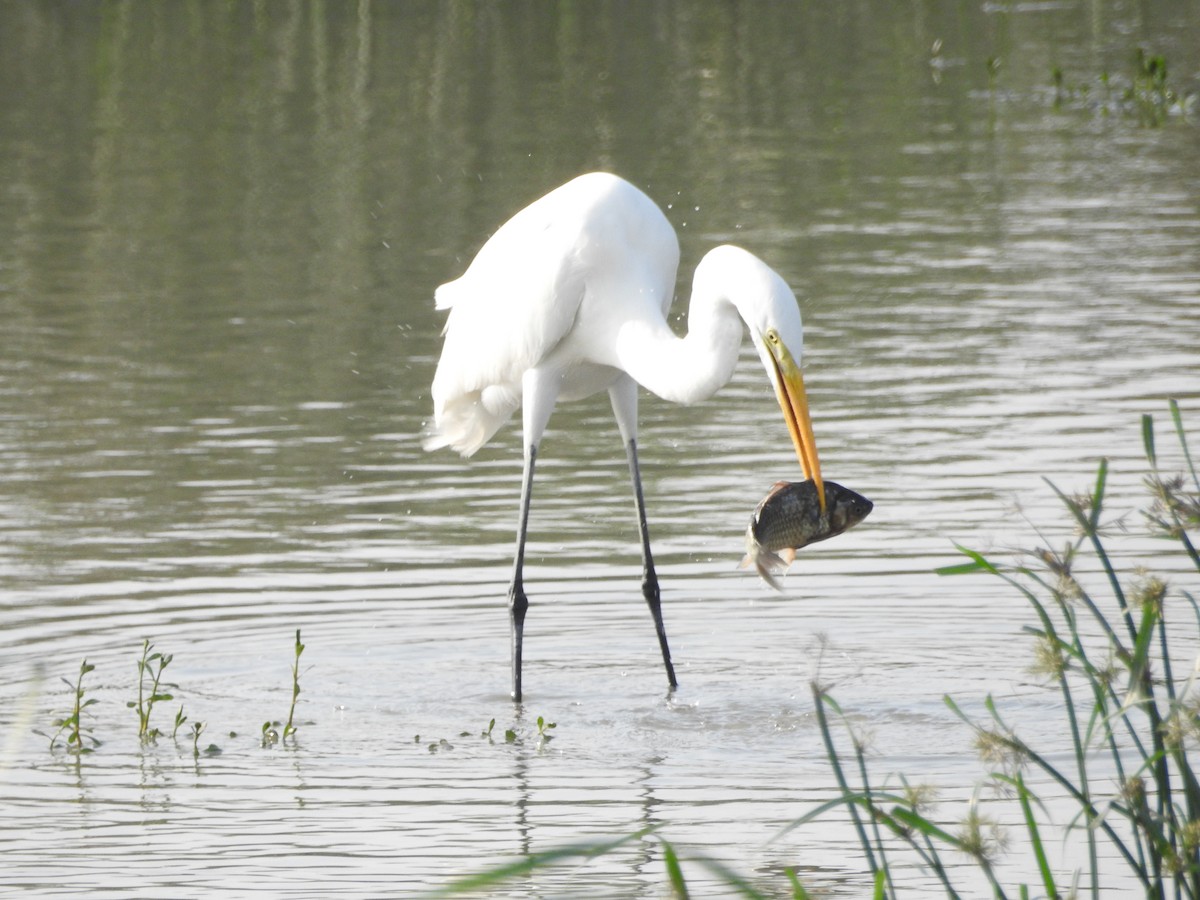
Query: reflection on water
(221, 227)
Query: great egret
(568, 298)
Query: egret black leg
(649, 579)
(518, 603)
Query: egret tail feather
(467, 422)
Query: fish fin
(768, 573)
(768, 565)
(788, 555)
(775, 489)
(746, 560)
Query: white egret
(568, 298)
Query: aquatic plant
(993, 71)
(79, 736)
(511, 736)
(673, 863)
(1147, 93)
(1123, 707)
(1152, 97)
(150, 670)
(289, 729)
(151, 690)
(197, 730)
(274, 731)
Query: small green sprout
(78, 735)
(197, 730)
(150, 671)
(290, 729)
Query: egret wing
(516, 301)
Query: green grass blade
(922, 825)
(978, 563)
(860, 757)
(1190, 598)
(1148, 439)
(731, 878)
(835, 763)
(1035, 838)
(880, 882)
(1098, 495)
(832, 704)
(1189, 548)
(495, 876)
(1090, 525)
(815, 813)
(854, 798)
(1081, 767)
(1140, 663)
(1177, 418)
(970, 568)
(954, 708)
(1089, 811)
(674, 871)
(798, 890)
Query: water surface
(221, 228)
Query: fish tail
(767, 564)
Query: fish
(790, 517)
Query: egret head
(772, 315)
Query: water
(221, 228)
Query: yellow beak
(793, 400)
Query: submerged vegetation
(1149, 93)
(150, 670)
(273, 731)
(76, 737)
(79, 738)
(1144, 92)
